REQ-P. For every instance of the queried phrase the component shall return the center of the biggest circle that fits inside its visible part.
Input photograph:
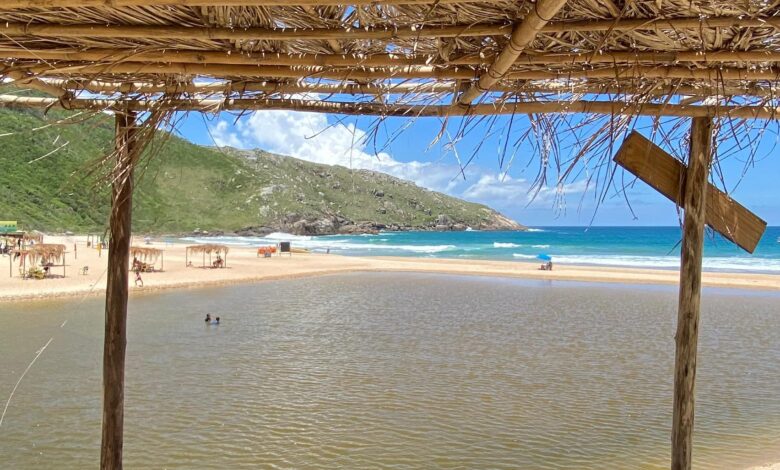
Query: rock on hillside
(328, 199)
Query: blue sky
(404, 148)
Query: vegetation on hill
(45, 185)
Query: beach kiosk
(217, 255)
(38, 260)
(146, 258)
(563, 66)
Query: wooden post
(116, 294)
(695, 185)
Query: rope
(40, 352)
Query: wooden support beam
(277, 71)
(17, 4)
(242, 87)
(93, 30)
(114, 55)
(22, 79)
(695, 185)
(116, 292)
(523, 34)
(245, 34)
(663, 172)
(379, 109)
(714, 75)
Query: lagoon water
(395, 371)
(638, 247)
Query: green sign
(7, 226)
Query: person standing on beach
(138, 278)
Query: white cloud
(311, 137)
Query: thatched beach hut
(41, 257)
(148, 257)
(34, 236)
(700, 66)
(210, 249)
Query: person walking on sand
(138, 278)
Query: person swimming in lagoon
(210, 322)
(208, 318)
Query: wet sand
(243, 266)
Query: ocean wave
(505, 245)
(540, 246)
(322, 243)
(535, 230)
(669, 262)
(522, 256)
(374, 247)
(281, 236)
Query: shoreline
(245, 267)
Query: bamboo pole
(22, 79)
(230, 88)
(686, 339)
(116, 294)
(245, 34)
(405, 72)
(17, 4)
(378, 109)
(378, 60)
(523, 34)
(402, 31)
(251, 71)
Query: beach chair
(84, 270)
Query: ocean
(636, 247)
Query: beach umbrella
(544, 257)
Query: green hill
(44, 185)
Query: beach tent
(701, 66)
(220, 251)
(148, 256)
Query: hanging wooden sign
(651, 164)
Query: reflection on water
(411, 371)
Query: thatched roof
(34, 235)
(145, 254)
(47, 253)
(208, 249)
(510, 56)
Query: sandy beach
(244, 266)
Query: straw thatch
(145, 254)
(474, 47)
(208, 248)
(35, 236)
(45, 253)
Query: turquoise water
(647, 247)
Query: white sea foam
(668, 262)
(505, 245)
(522, 256)
(322, 243)
(535, 230)
(540, 246)
(281, 236)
